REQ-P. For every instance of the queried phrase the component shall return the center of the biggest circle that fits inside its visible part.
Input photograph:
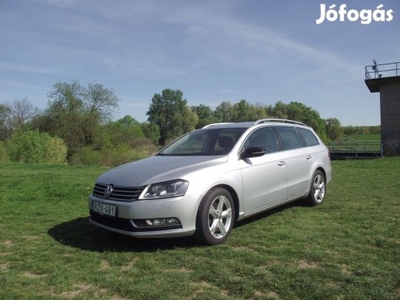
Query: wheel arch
(320, 168)
(234, 195)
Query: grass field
(349, 248)
(363, 137)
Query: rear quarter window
(308, 136)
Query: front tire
(317, 189)
(215, 217)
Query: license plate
(104, 209)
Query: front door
(264, 178)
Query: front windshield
(205, 142)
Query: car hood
(157, 169)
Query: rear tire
(317, 189)
(215, 217)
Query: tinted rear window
(308, 136)
(289, 137)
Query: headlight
(168, 189)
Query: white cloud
(27, 68)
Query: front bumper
(175, 217)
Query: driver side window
(263, 138)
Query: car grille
(119, 193)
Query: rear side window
(308, 136)
(289, 137)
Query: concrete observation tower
(385, 79)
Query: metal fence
(355, 149)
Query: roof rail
(214, 124)
(278, 121)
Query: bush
(36, 147)
(116, 156)
(87, 157)
(3, 153)
(110, 156)
(57, 151)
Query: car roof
(250, 124)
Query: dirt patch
(345, 270)
(202, 286)
(181, 270)
(31, 237)
(104, 265)
(79, 290)
(272, 295)
(4, 267)
(130, 265)
(7, 243)
(32, 275)
(304, 264)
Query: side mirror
(252, 152)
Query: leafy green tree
(334, 130)
(279, 110)
(260, 111)
(66, 98)
(4, 130)
(361, 130)
(169, 111)
(224, 112)
(101, 101)
(151, 131)
(188, 121)
(65, 115)
(299, 112)
(3, 152)
(128, 122)
(375, 129)
(205, 115)
(244, 111)
(76, 113)
(124, 131)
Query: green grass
(370, 137)
(348, 248)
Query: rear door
(298, 161)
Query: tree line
(77, 126)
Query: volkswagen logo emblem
(108, 191)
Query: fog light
(158, 222)
(163, 222)
(173, 221)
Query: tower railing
(376, 71)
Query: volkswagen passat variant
(208, 179)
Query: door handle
(309, 157)
(281, 163)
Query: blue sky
(262, 51)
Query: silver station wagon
(210, 178)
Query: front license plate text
(104, 209)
